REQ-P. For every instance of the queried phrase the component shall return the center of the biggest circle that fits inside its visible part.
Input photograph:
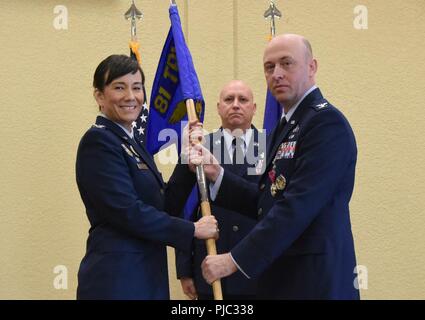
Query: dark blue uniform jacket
(302, 246)
(125, 199)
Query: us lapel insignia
(127, 150)
(134, 151)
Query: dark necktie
(238, 154)
(279, 130)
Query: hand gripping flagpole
(205, 204)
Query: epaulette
(99, 126)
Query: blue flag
(175, 82)
(272, 113)
(191, 203)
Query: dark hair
(113, 67)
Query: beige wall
(374, 76)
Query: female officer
(125, 197)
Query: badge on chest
(132, 153)
(286, 150)
(277, 183)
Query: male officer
(302, 247)
(236, 109)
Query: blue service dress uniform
(125, 197)
(233, 225)
(302, 246)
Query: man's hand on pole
(217, 267)
(206, 228)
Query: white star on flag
(141, 122)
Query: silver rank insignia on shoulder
(321, 105)
(99, 126)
